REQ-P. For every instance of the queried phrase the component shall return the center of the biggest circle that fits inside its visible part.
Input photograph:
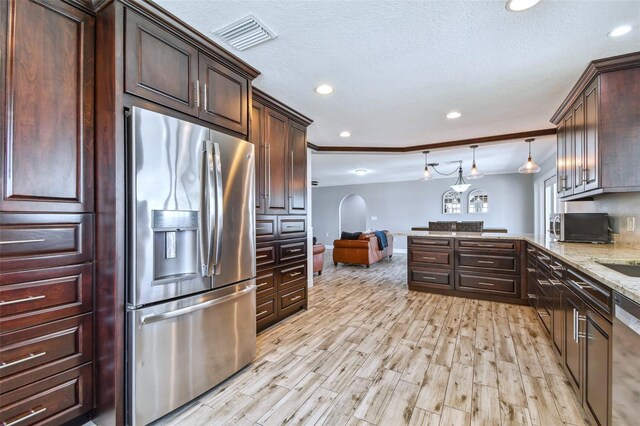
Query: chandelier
(459, 186)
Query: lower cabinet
(281, 261)
(576, 313)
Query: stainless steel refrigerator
(191, 266)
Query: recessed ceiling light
(520, 5)
(361, 172)
(454, 114)
(619, 31)
(345, 134)
(324, 89)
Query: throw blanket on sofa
(382, 240)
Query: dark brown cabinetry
(46, 212)
(165, 68)
(597, 130)
(297, 168)
(276, 159)
(576, 313)
(281, 277)
(47, 155)
(485, 268)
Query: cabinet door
(568, 155)
(560, 158)
(49, 114)
(276, 152)
(297, 168)
(597, 365)
(572, 306)
(256, 136)
(159, 66)
(224, 96)
(591, 162)
(578, 143)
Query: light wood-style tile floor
(370, 352)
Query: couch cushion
(350, 235)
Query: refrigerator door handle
(206, 209)
(149, 319)
(219, 210)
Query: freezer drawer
(181, 349)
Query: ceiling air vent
(246, 32)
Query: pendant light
(529, 167)
(460, 185)
(426, 175)
(474, 173)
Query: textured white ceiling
(335, 169)
(399, 66)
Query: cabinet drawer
(293, 275)
(434, 258)
(266, 309)
(420, 277)
(293, 250)
(35, 297)
(52, 401)
(292, 226)
(265, 283)
(35, 353)
(293, 300)
(594, 293)
(508, 264)
(265, 255)
(266, 228)
(489, 245)
(508, 286)
(432, 242)
(36, 241)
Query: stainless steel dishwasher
(625, 375)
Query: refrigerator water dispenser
(175, 245)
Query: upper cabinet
(161, 67)
(47, 134)
(599, 130)
(280, 138)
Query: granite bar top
(581, 256)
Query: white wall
(399, 206)
(353, 214)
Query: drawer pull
(531, 250)
(21, 360)
(262, 284)
(22, 242)
(32, 413)
(556, 283)
(428, 258)
(544, 283)
(580, 285)
(262, 256)
(263, 227)
(295, 274)
(557, 268)
(543, 314)
(424, 277)
(294, 250)
(531, 269)
(293, 299)
(543, 258)
(485, 283)
(532, 296)
(490, 262)
(485, 245)
(292, 226)
(26, 299)
(261, 313)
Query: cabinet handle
(291, 178)
(40, 240)
(484, 245)
(26, 299)
(293, 299)
(486, 283)
(581, 286)
(291, 226)
(261, 313)
(575, 325)
(585, 175)
(196, 88)
(424, 277)
(294, 250)
(268, 151)
(531, 250)
(263, 227)
(531, 270)
(543, 258)
(262, 284)
(295, 274)
(428, 258)
(563, 181)
(262, 256)
(543, 314)
(486, 261)
(204, 97)
(555, 283)
(21, 360)
(543, 283)
(32, 413)
(557, 268)
(532, 296)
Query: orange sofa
(363, 251)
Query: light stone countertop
(581, 256)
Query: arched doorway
(353, 214)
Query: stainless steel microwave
(580, 227)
